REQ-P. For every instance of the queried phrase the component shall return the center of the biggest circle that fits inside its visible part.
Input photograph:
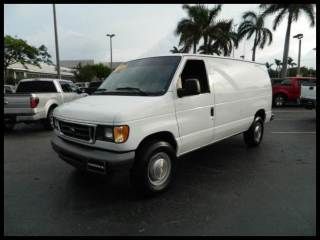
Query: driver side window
(194, 69)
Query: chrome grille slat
(77, 131)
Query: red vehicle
(288, 89)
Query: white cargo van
(151, 111)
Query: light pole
(299, 36)
(56, 41)
(111, 36)
(314, 50)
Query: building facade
(75, 63)
(18, 71)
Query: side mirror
(191, 86)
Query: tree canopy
(92, 72)
(19, 51)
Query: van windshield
(145, 77)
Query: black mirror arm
(181, 92)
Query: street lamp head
(110, 35)
(299, 36)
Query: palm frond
(250, 15)
(309, 11)
(279, 18)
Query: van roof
(43, 79)
(201, 55)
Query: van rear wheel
(253, 136)
(154, 168)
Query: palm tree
(221, 40)
(293, 11)
(177, 50)
(291, 63)
(279, 64)
(200, 23)
(269, 65)
(253, 24)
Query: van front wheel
(154, 168)
(253, 136)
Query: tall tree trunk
(286, 47)
(205, 44)
(254, 48)
(194, 47)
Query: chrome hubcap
(257, 132)
(159, 168)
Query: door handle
(212, 111)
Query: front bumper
(92, 159)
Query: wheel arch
(162, 135)
(50, 106)
(261, 113)
(283, 93)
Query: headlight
(108, 133)
(117, 134)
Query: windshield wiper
(133, 88)
(100, 90)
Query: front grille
(77, 131)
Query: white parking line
(295, 132)
(290, 111)
(277, 119)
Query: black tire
(48, 122)
(253, 136)
(153, 155)
(8, 127)
(279, 100)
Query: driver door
(195, 113)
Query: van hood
(111, 109)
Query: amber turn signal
(121, 133)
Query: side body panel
(240, 90)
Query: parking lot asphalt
(223, 189)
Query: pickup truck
(35, 100)
(288, 89)
(308, 97)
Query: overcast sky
(141, 30)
